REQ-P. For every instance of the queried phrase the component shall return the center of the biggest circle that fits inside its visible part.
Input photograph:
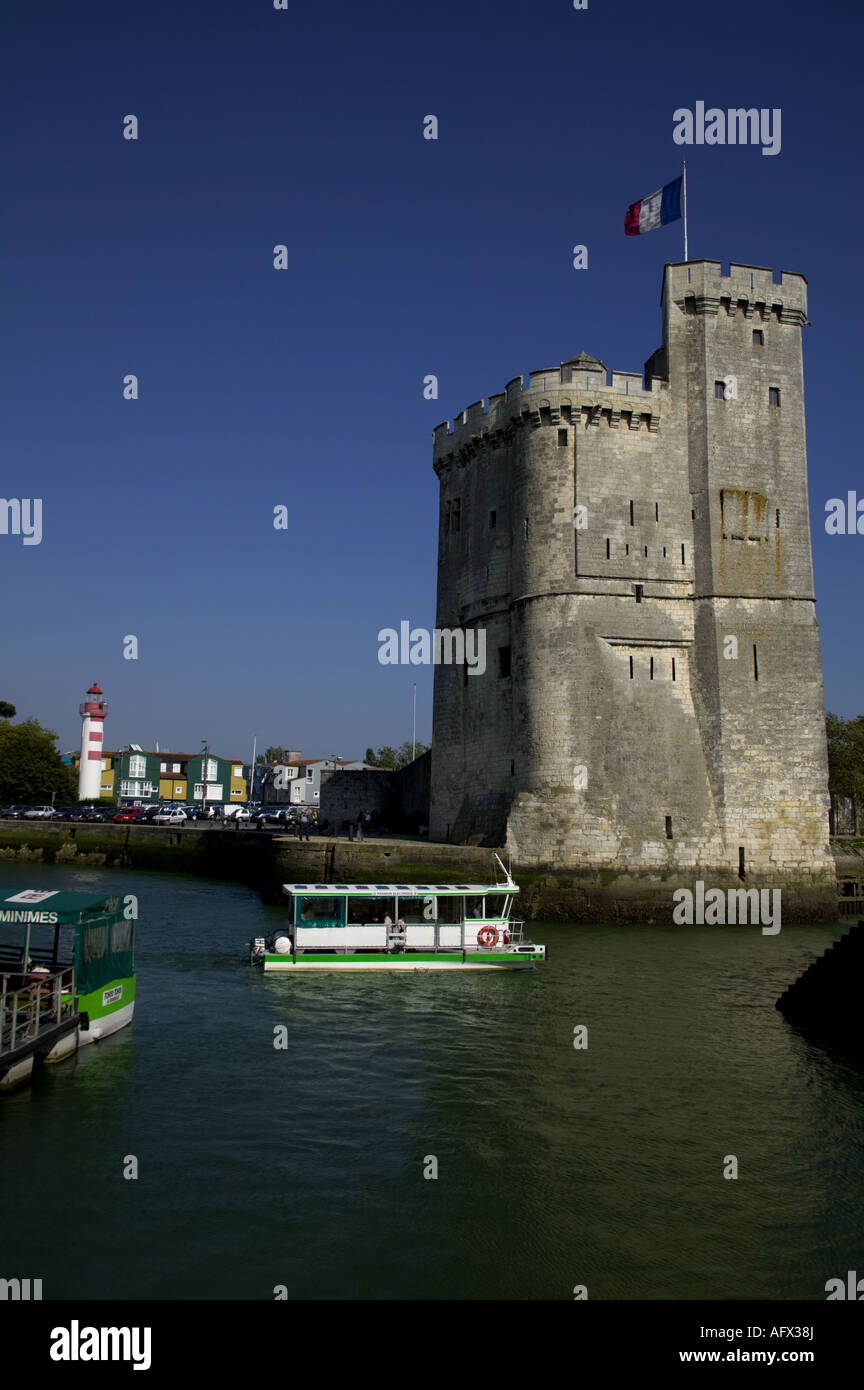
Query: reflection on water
(304, 1165)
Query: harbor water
(309, 1167)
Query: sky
(303, 388)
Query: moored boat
(398, 926)
(67, 980)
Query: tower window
(683, 556)
(646, 552)
(456, 515)
(626, 550)
(525, 524)
(664, 552)
(673, 668)
(607, 547)
(755, 664)
(512, 767)
(719, 390)
(651, 676)
(493, 520)
(503, 661)
(742, 865)
(639, 592)
(562, 439)
(656, 511)
(668, 827)
(777, 519)
(631, 668)
(758, 337)
(631, 513)
(773, 395)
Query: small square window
(562, 439)
(719, 390)
(758, 337)
(493, 520)
(773, 395)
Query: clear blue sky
(406, 257)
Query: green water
(304, 1167)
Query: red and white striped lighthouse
(93, 712)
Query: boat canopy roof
(39, 905)
(400, 890)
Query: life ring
(487, 936)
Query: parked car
(271, 813)
(97, 813)
(234, 812)
(67, 813)
(38, 813)
(170, 817)
(130, 813)
(13, 812)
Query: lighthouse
(93, 712)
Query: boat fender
(487, 936)
(505, 936)
(282, 945)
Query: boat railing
(32, 1003)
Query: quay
(265, 859)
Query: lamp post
(206, 760)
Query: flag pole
(684, 191)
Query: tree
(275, 755)
(7, 711)
(31, 769)
(846, 760)
(409, 751)
(393, 759)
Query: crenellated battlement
(571, 391)
(757, 291)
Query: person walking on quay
(367, 821)
(304, 826)
(360, 826)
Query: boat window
(473, 906)
(417, 909)
(321, 912)
(379, 908)
(450, 908)
(121, 937)
(359, 912)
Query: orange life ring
(487, 936)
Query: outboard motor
(257, 949)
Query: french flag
(655, 211)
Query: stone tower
(637, 551)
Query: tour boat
(69, 982)
(398, 926)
